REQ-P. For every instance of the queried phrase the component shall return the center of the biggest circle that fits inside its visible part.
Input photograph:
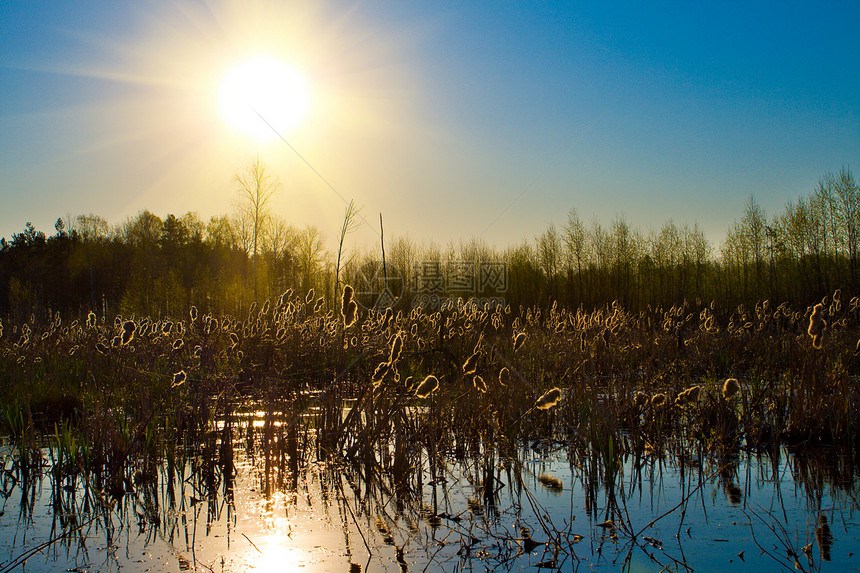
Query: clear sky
(453, 119)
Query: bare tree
(351, 221)
(574, 241)
(310, 252)
(548, 247)
(256, 188)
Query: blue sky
(454, 119)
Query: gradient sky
(453, 119)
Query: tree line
(154, 266)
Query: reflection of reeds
(551, 482)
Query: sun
(264, 97)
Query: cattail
(102, 349)
(319, 304)
(350, 315)
(396, 348)
(683, 397)
(817, 324)
(549, 399)
(658, 400)
(730, 388)
(410, 383)
(817, 341)
(471, 364)
(504, 376)
(178, 379)
(91, 320)
(380, 372)
(427, 386)
(693, 393)
(480, 384)
(178, 343)
(193, 313)
(127, 332)
(347, 298)
(309, 299)
(519, 340)
(640, 399)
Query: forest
(154, 266)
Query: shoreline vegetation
(489, 378)
(149, 266)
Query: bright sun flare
(263, 96)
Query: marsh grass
(385, 395)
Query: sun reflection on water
(276, 555)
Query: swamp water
(539, 509)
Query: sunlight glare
(263, 96)
(274, 556)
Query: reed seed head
(817, 324)
(178, 379)
(381, 370)
(427, 387)
(347, 298)
(693, 393)
(549, 399)
(128, 328)
(505, 375)
(350, 315)
(471, 364)
(396, 348)
(817, 341)
(731, 387)
(480, 384)
(519, 340)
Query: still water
(541, 511)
